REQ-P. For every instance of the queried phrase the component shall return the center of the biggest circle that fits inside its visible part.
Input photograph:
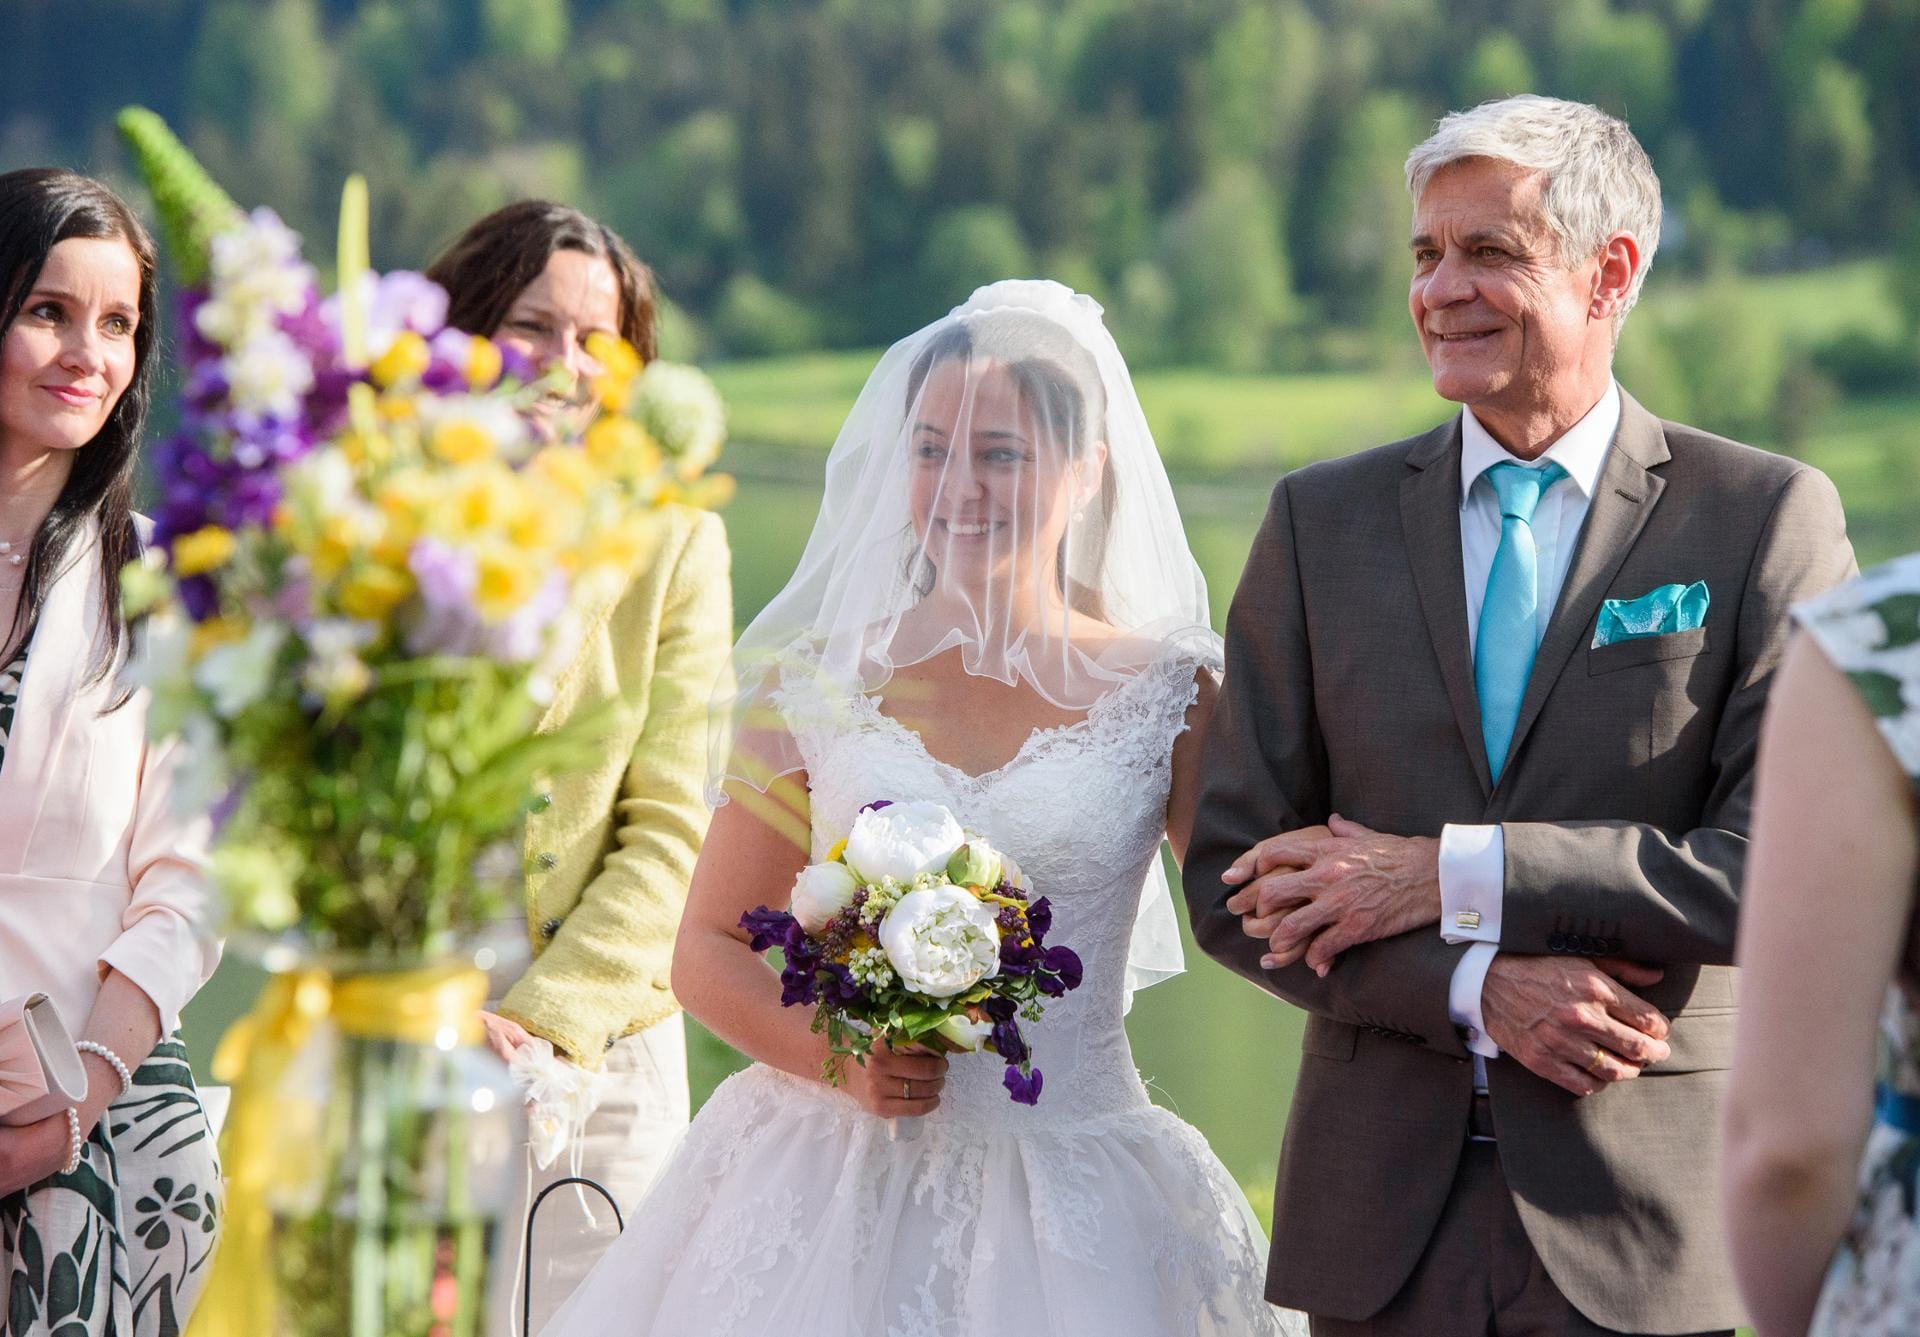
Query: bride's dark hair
(1058, 400)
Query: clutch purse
(40, 1070)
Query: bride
(997, 611)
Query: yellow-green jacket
(610, 850)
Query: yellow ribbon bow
(436, 1005)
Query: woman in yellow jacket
(609, 851)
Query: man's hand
(1570, 1021)
(1315, 892)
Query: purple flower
(1007, 1041)
(1024, 1087)
(1000, 1009)
(516, 366)
(877, 804)
(797, 988)
(769, 928)
(1017, 960)
(836, 984)
(202, 600)
(1039, 918)
(1061, 971)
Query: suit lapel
(1430, 518)
(1623, 499)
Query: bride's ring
(906, 1089)
(1598, 1060)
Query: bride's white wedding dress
(789, 1212)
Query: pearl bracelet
(94, 1047)
(74, 1143)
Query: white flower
(869, 966)
(942, 941)
(492, 415)
(683, 413)
(902, 841)
(976, 864)
(1012, 874)
(321, 483)
(266, 374)
(821, 891)
(964, 1033)
(238, 673)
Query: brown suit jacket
(1624, 801)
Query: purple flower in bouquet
(1023, 1087)
(770, 928)
(1061, 971)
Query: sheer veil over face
(994, 492)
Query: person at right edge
(1478, 787)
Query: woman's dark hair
(495, 259)
(41, 207)
(1055, 397)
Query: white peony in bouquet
(915, 930)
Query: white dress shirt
(1473, 857)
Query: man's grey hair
(1599, 180)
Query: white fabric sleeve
(1463, 998)
(1473, 881)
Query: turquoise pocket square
(1662, 612)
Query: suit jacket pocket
(1646, 650)
(1702, 1041)
(1330, 1039)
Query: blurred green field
(1219, 1051)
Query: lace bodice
(1082, 808)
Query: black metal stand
(526, 1278)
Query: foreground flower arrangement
(915, 931)
(368, 568)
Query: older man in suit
(1479, 780)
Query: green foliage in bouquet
(192, 207)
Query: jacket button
(1556, 942)
(546, 861)
(541, 802)
(548, 929)
(611, 1041)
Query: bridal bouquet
(916, 930)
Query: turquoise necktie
(1505, 643)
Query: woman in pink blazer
(107, 1210)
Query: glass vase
(394, 1174)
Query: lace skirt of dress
(789, 1212)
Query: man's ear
(1619, 266)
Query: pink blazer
(96, 869)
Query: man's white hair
(1599, 180)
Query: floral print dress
(118, 1248)
(1871, 630)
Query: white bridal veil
(995, 491)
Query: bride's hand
(896, 1082)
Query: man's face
(1505, 323)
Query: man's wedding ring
(1598, 1061)
(906, 1089)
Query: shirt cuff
(1473, 882)
(1463, 998)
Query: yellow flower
(622, 446)
(619, 365)
(566, 467)
(202, 551)
(214, 632)
(462, 441)
(839, 849)
(405, 359)
(506, 580)
(486, 501)
(483, 363)
(333, 547)
(372, 592)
